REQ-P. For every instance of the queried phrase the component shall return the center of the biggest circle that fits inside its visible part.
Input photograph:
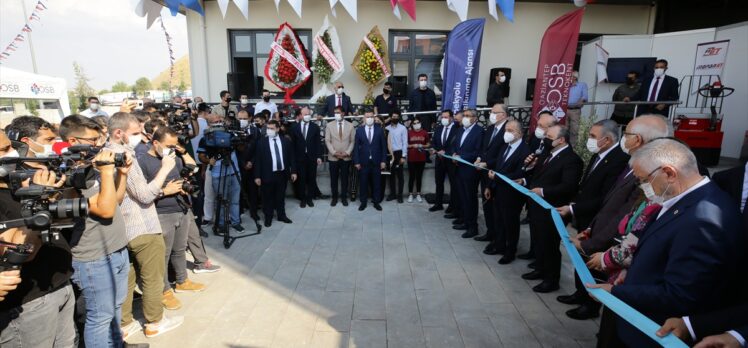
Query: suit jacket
(731, 181)
(596, 184)
(263, 164)
(335, 143)
(559, 178)
(363, 150)
(490, 147)
(331, 100)
(714, 323)
(309, 148)
(618, 202)
(668, 92)
(686, 262)
(247, 153)
(436, 139)
(429, 100)
(219, 110)
(469, 149)
(512, 169)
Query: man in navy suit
(440, 144)
(369, 153)
(468, 147)
(307, 144)
(274, 163)
(493, 140)
(339, 99)
(508, 201)
(660, 87)
(690, 259)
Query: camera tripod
(223, 203)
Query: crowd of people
(654, 229)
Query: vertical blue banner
(461, 63)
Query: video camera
(221, 137)
(180, 123)
(190, 185)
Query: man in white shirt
(398, 141)
(94, 108)
(266, 104)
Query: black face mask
(228, 100)
(395, 120)
(266, 99)
(547, 145)
(386, 91)
(631, 81)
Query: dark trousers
(454, 195)
(339, 170)
(589, 301)
(507, 208)
(607, 337)
(489, 213)
(274, 195)
(468, 187)
(307, 169)
(249, 193)
(547, 239)
(396, 175)
(440, 174)
(370, 173)
(415, 176)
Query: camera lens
(119, 159)
(69, 208)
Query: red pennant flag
(18, 38)
(26, 28)
(40, 6)
(555, 64)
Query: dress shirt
(740, 338)
(554, 153)
(671, 202)
(272, 143)
(744, 195)
(259, 107)
(90, 113)
(399, 138)
(652, 84)
(578, 93)
(512, 147)
(601, 156)
(465, 133)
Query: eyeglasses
(646, 179)
(93, 140)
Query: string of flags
(21, 37)
(170, 45)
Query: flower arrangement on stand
(327, 60)
(371, 62)
(287, 66)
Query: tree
(103, 91)
(82, 89)
(142, 85)
(121, 86)
(165, 86)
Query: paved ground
(338, 277)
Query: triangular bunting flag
(296, 6)
(507, 8)
(351, 6)
(492, 10)
(460, 7)
(243, 6)
(223, 5)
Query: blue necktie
(279, 159)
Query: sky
(105, 37)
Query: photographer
(98, 242)
(143, 231)
(36, 133)
(173, 211)
(246, 156)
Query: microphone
(60, 147)
(538, 152)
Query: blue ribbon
(628, 313)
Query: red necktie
(653, 94)
(340, 102)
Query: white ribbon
(377, 56)
(327, 54)
(291, 59)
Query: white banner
(291, 59)
(602, 63)
(710, 58)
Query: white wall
(514, 45)
(735, 75)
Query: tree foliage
(142, 85)
(121, 86)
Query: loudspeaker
(507, 72)
(400, 86)
(530, 90)
(239, 83)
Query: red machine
(703, 133)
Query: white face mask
(492, 118)
(592, 145)
(338, 117)
(5, 169)
(244, 101)
(445, 122)
(94, 106)
(165, 152)
(307, 118)
(659, 72)
(341, 90)
(417, 126)
(539, 133)
(509, 137)
(466, 122)
(134, 140)
(502, 78)
(271, 133)
(649, 192)
(422, 84)
(46, 149)
(623, 145)
(243, 123)
(369, 121)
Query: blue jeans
(43, 322)
(230, 190)
(103, 285)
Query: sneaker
(166, 324)
(170, 302)
(205, 267)
(419, 199)
(410, 198)
(238, 228)
(189, 286)
(130, 329)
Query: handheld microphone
(538, 152)
(60, 147)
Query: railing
(636, 104)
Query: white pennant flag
(602, 63)
(277, 3)
(396, 11)
(492, 9)
(350, 5)
(296, 5)
(223, 5)
(148, 9)
(460, 7)
(243, 6)
(332, 8)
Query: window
(249, 51)
(413, 53)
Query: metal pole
(28, 35)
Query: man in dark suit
(555, 178)
(454, 210)
(660, 87)
(690, 259)
(468, 147)
(603, 170)
(339, 99)
(493, 140)
(369, 153)
(307, 144)
(274, 163)
(245, 156)
(440, 144)
(508, 201)
(423, 98)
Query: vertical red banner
(558, 50)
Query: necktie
(368, 133)
(278, 157)
(653, 94)
(340, 130)
(306, 125)
(340, 101)
(495, 131)
(595, 160)
(444, 136)
(506, 153)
